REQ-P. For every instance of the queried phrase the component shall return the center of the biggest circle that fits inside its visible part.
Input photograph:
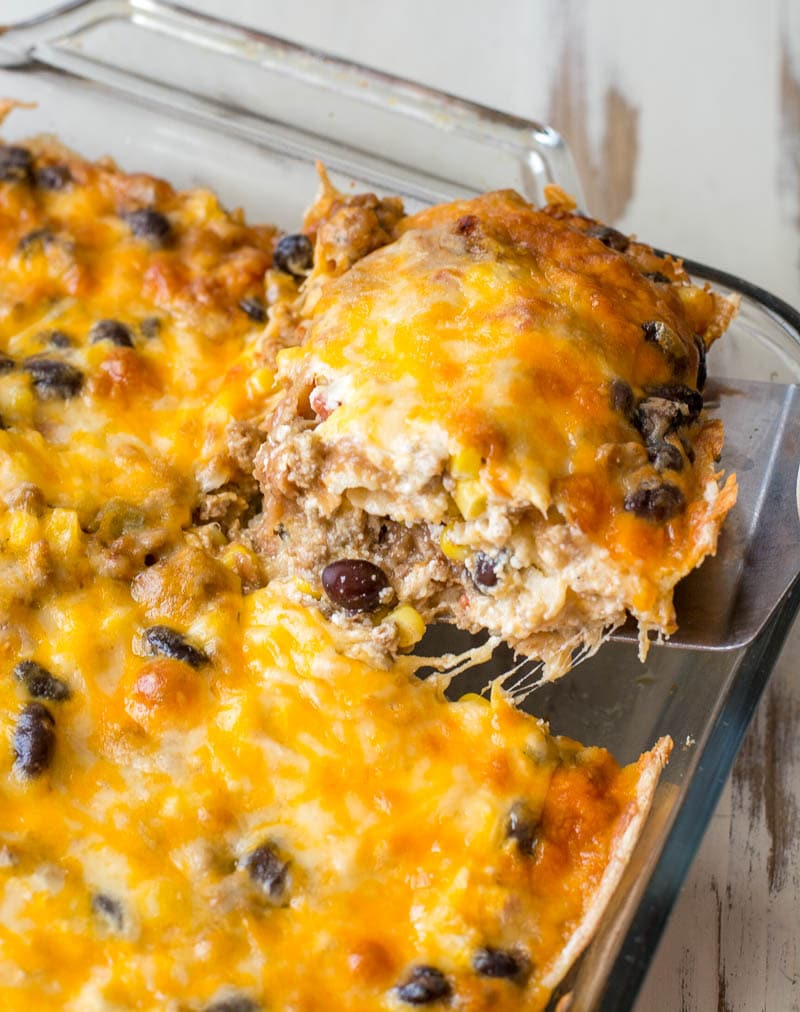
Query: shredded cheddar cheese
(124, 875)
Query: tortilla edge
(626, 836)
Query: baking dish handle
(163, 54)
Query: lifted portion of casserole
(496, 420)
(236, 815)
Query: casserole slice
(495, 419)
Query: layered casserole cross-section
(496, 419)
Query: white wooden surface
(684, 117)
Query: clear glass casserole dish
(199, 101)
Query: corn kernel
(63, 532)
(410, 625)
(17, 400)
(23, 530)
(232, 400)
(453, 551)
(236, 555)
(260, 383)
(466, 463)
(279, 285)
(470, 498)
(473, 697)
(305, 588)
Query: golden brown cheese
(127, 876)
(518, 389)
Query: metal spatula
(727, 601)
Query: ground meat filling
(516, 564)
(485, 589)
(394, 548)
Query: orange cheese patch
(403, 830)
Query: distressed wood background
(684, 118)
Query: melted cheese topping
(491, 332)
(222, 809)
(388, 803)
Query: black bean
(666, 409)
(665, 456)
(294, 255)
(150, 326)
(658, 277)
(6, 363)
(40, 683)
(57, 338)
(110, 910)
(236, 1003)
(170, 643)
(423, 986)
(53, 177)
(254, 308)
(354, 584)
(670, 344)
(38, 239)
(609, 237)
(521, 827)
(655, 417)
(489, 962)
(485, 572)
(268, 870)
(149, 224)
(15, 164)
(34, 739)
(53, 378)
(702, 374)
(111, 330)
(622, 397)
(656, 502)
(680, 394)
(652, 329)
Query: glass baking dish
(202, 102)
